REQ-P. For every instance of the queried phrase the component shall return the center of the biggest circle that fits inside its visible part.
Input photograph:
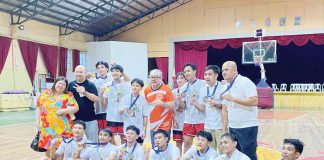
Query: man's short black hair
(102, 63)
(133, 128)
(230, 136)
(138, 81)
(117, 67)
(193, 66)
(162, 132)
(81, 123)
(206, 135)
(299, 145)
(214, 68)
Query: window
(69, 60)
(83, 58)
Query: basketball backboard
(265, 50)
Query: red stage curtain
(4, 49)
(63, 61)
(50, 54)
(162, 64)
(75, 58)
(29, 52)
(198, 58)
(299, 40)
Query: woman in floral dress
(54, 107)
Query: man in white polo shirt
(241, 99)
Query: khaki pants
(216, 133)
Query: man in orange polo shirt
(159, 97)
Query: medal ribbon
(132, 149)
(189, 86)
(230, 86)
(132, 102)
(213, 91)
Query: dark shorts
(247, 140)
(101, 118)
(116, 127)
(177, 136)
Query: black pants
(247, 140)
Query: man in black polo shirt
(86, 94)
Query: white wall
(97, 51)
(132, 56)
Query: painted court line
(299, 117)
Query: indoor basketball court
(277, 44)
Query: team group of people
(80, 119)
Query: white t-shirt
(95, 153)
(114, 93)
(178, 116)
(213, 115)
(135, 114)
(237, 155)
(99, 82)
(240, 116)
(68, 148)
(193, 153)
(170, 153)
(137, 154)
(192, 114)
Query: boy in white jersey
(162, 149)
(216, 117)
(131, 150)
(134, 109)
(194, 116)
(99, 80)
(111, 98)
(98, 151)
(68, 148)
(228, 146)
(178, 112)
(202, 151)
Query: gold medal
(135, 107)
(183, 94)
(205, 99)
(198, 148)
(129, 111)
(123, 149)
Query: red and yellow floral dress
(51, 125)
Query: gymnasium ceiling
(103, 19)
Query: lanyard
(213, 91)
(190, 85)
(230, 86)
(132, 102)
(132, 149)
(64, 140)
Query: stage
(298, 99)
